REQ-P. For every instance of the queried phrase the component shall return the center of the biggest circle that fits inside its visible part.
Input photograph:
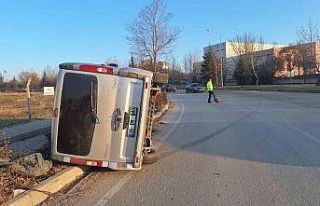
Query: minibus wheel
(150, 157)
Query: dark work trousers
(210, 95)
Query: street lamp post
(221, 61)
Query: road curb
(55, 183)
(159, 114)
(51, 185)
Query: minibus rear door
(128, 104)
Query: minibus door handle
(116, 119)
(126, 119)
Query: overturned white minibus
(100, 115)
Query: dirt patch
(10, 181)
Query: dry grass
(13, 107)
(307, 88)
(161, 100)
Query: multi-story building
(297, 60)
(228, 52)
(162, 66)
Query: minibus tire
(150, 158)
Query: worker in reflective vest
(210, 87)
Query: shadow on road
(202, 140)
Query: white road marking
(106, 197)
(117, 187)
(310, 136)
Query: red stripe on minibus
(85, 162)
(99, 163)
(88, 68)
(78, 161)
(96, 69)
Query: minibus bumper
(96, 163)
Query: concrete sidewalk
(28, 127)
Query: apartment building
(228, 53)
(297, 60)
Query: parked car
(194, 88)
(169, 88)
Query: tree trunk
(217, 78)
(305, 79)
(154, 64)
(254, 72)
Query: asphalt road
(254, 148)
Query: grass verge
(307, 88)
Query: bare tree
(245, 45)
(286, 59)
(175, 64)
(308, 33)
(187, 62)
(176, 73)
(26, 75)
(190, 60)
(300, 57)
(150, 34)
(305, 59)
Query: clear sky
(36, 33)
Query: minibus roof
(107, 69)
